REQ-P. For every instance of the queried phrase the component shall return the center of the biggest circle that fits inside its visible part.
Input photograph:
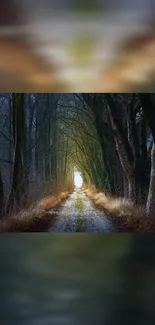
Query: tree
(45, 137)
(18, 134)
(1, 195)
(148, 104)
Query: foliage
(109, 138)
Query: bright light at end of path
(78, 181)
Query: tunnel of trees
(108, 138)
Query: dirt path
(79, 215)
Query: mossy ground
(80, 219)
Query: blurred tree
(10, 13)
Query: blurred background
(77, 279)
(73, 45)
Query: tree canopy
(44, 138)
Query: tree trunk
(150, 206)
(1, 196)
(148, 104)
(123, 146)
(129, 171)
(123, 156)
(18, 126)
(99, 123)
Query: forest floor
(78, 214)
(80, 211)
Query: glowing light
(78, 181)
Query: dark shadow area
(77, 279)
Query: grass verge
(80, 220)
(37, 219)
(123, 212)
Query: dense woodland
(109, 138)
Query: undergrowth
(123, 211)
(37, 218)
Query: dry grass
(51, 202)
(130, 70)
(37, 218)
(123, 211)
(27, 70)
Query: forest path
(79, 215)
